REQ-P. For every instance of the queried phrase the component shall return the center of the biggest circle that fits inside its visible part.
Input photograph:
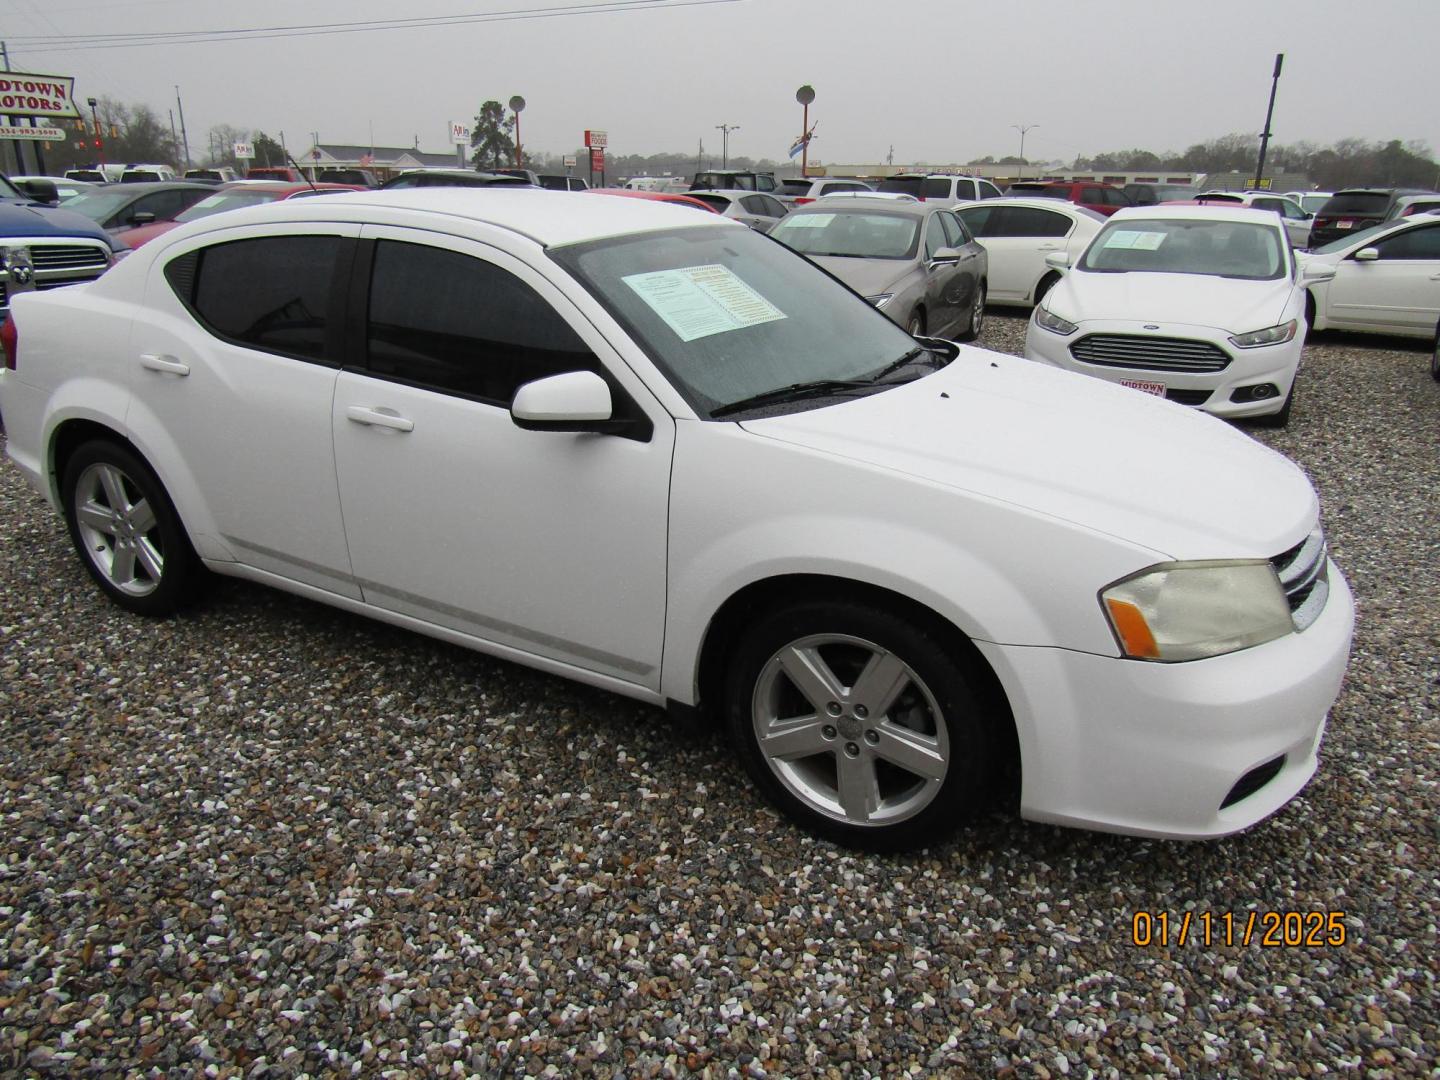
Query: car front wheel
(1435, 356)
(126, 530)
(859, 725)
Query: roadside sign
(245, 150)
(37, 95)
(597, 160)
(41, 134)
(460, 132)
(569, 161)
(596, 140)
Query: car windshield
(1348, 240)
(1233, 249)
(227, 200)
(99, 205)
(727, 314)
(850, 234)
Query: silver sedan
(916, 262)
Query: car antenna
(301, 171)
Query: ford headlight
(1274, 335)
(1048, 320)
(1191, 610)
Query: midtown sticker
(698, 301)
(37, 95)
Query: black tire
(1435, 356)
(1046, 284)
(933, 695)
(163, 569)
(976, 322)
(915, 325)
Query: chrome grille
(67, 257)
(1305, 577)
(1151, 353)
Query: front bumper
(1154, 749)
(1273, 364)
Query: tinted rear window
(794, 187)
(1359, 202)
(905, 185)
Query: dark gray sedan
(915, 262)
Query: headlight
(1052, 322)
(1275, 335)
(880, 299)
(1190, 610)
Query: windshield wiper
(793, 392)
(818, 387)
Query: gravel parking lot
(269, 838)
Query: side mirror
(946, 255)
(573, 401)
(1366, 254)
(1058, 260)
(1314, 273)
(142, 217)
(40, 190)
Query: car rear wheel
(859, 725)
(126, 530)
(977, 316)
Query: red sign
(597, 160)
(596, 140)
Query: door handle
(157, 362)
(1048, 247)
(379, 418)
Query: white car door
(238, 361)
(549, 543)
(1399, 292)
(1017, 239)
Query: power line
(78, 42)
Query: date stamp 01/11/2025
(1268, 929)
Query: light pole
(725, 130)
(1022, 128)
(1269, 112)
(517, 104)
(184, 136)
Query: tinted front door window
(456, 323)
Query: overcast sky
(940, 80)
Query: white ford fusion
(1204, 306)
(671, 458)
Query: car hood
(29, 219)
(866, 276)
(1195, 299)
(1102, 456)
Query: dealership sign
(245, 151)
(596, 140)
(43, 134)
(459, 133)
(37, 95)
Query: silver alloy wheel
(977, 314)
(850, 729)
(119, 532)
(916, 326)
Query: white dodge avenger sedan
(1203, 305)
(668, 457)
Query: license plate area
(1158, 389)
(1344, 224)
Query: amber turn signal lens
(1134, 633)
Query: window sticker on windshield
(1137, 241)
(809, 221)
(698, 301)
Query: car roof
(1211, 212)
(1058, 206)
(283, 186)
(550, 218)
(657, 196)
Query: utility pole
(184, 136)
(1022, 129)
(1269, 112)
(19, 160)
(700, 157)
(725, 130)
